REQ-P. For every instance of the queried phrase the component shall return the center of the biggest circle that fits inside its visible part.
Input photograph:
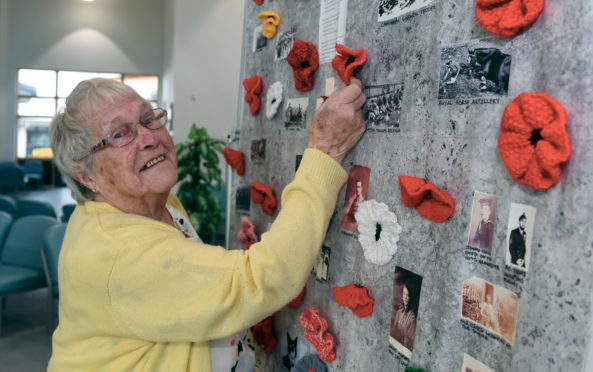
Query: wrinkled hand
(338, 124)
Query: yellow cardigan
(135, 295)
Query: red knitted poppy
(264, 195)
(430, 201)
(235, 159)
(258, 2)
(263, 334)
(347, 61)
(304, 61)
(507, 17)
(297, 301)
(253, 85)
(356, 298)
(533, 142)
(247, 234)
(316, 333)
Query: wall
(107, 35)
(453, 144)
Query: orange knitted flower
(316, 332)
(264, 195)
(304, 60)
(347, 61)
(235, 159)
(507, 17)
(253, 86)
(430, 201)
(356, 298)
(533, 142)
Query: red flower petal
(264, 195)
(247, 234)
(356, 298)
(507, 17)
(430, 201)
(297, 301)
(316, 333)
(533, 142)
(253, 85)
(263, 334)
(304, 60)
(347, 61)
(235, 159)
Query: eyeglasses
(127, 132)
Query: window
(41, 93)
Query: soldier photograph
(482, 221)
(520, 235)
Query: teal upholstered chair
(8, 205)
(5, 222)
(33, 171)
(35, 208)
(21, 268)
(52, 243)
(67, 210)
(12, 175)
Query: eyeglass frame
(105, 142)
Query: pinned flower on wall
(379, 231)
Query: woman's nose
(146, 138)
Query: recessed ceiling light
(88, 1)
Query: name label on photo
(473, 101)
(403, 360)
(482, 333)
(478, 256)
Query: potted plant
(199, 177)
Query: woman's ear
(87, 181)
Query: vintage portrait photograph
(284, 44)
(321, 268)
(481, 226)
(404, 310)
(258, 150)
(383, 106)
(473, 365)
(292, 348)
(295, 114)
(474, 69)
(357, 191)
(493, 307)
(242, 199)
(259, 40)
(520, 235)
(390, 9)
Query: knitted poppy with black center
(533, 142)
(347, 61)
(304, 60)
(253, 86)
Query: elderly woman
(135, 293)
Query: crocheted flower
(263, 334)
(507, 17)
(430, 201)
(347, 61)
(247, 234)
(316, 333)
(533, 142)
(274, 99)
(253, 86)
(356, 298)
(310, 363)
(270, 22)
(297, 301)
(264, 195)
(378, 231)
(235, 159)
(304, 60)
(258, 2)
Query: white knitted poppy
(378, 231)
(273, 99)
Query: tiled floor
(25, 343)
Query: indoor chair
(52, 242)
(8, 205)
(5, 222)
(35, 208)
(67, 210)
(21, 269)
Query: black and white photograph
(284, 44)
(259, 40)
(520, 235)
(383, 106)
(474, 69)
(321, 268)
(391, 9)
(295, 115)
(292, 348)
(481, 226)
(242, 199)
(491, 306)
(258, 150)
(404, 310)
(357, 191)
(473, 365)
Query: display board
(505, 283)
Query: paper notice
(332, 27)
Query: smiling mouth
(152, 162)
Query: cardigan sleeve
(165, 288)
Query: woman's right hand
(338, 124)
